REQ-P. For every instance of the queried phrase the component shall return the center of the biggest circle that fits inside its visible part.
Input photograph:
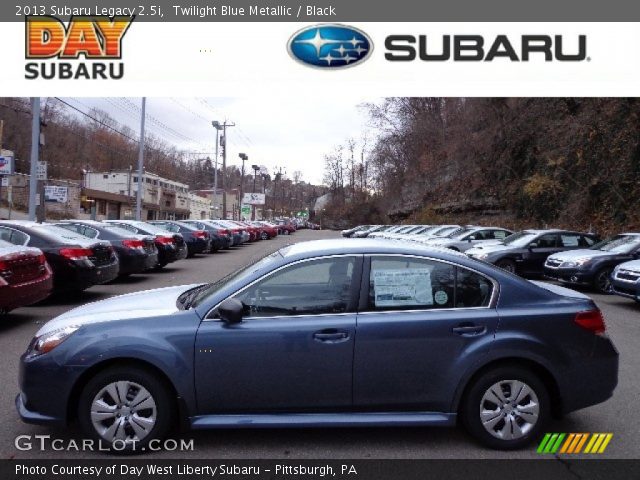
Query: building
(200, 207)
(113, 195)
(216, 202)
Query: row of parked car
(38, 259)
(574, 258)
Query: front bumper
(626, 289)
(570, 276)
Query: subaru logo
(330, 46)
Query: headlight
(576, 263)
(47, 342)
(482, 256)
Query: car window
(406, 283)
(500, 234)
(13, 236)
(316, 287)
(548, 240)
(571, 240)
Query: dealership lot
(616, 416)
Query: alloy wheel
(603, 282)
(509, 409)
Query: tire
(264, 236)
(153, 422)
(507, 427)
(286, 232)
(506, 264)
(602, 281)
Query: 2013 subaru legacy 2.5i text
(326, 333)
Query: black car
(198, 241)
(593, 266)
(137, 253)
(525, 252)
(220, 237)
(77, 262)
(171, 246)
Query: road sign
(6, 165)
(53, 193)
(5, 181)
(41, 172)
(253, 198)
(245, 210)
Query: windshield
(461, 233)
(445, 231)
(430, 230)
(200, 293)
(520, 239)
(619, 244)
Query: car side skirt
(309, 420)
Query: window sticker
(396, 288)
(441, 297)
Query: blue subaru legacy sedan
(325, 333)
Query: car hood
(632, 265)
(148, 303)
(581, 253)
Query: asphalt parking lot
(618, 416)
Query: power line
(96, 120)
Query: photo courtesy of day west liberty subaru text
(84, 48)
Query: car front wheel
(125, 408)
(506, 408)
(508, 265)
(602, 281)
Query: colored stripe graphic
(573, 443)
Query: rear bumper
(14, 296)
(137, 263)
(81, 277)
(593, 381)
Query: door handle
(469, 330)
(330, 336)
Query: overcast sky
(293, 133)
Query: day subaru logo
(330, 46)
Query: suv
(525, 252)
(593, 266)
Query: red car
(268, 230)
(25, 276)
(286, 227)
(254, 232)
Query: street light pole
(224, 166)
(244, 157)
(256, 168)
(35, 153)
(140, 162)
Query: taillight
(42, 259)
(76, 253)
(131, 243)
(164, 240)
(591, 320)
(200, 234)
(5, 270)
(223, 231)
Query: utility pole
(275, 188)
(244, 157)
(256, 169)
(35, 155)
(218, 127)
(224, 166)
(141, 162)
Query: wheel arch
(128, 362)
(535, 367)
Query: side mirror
(231, 311)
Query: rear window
(59, 234)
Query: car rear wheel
(264, 236)
(506, 408)
(125, 408)
(286, 232)
(602, 281)
(508, 265)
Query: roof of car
(22, 223)
(365, 245)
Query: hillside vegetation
(523, 162)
